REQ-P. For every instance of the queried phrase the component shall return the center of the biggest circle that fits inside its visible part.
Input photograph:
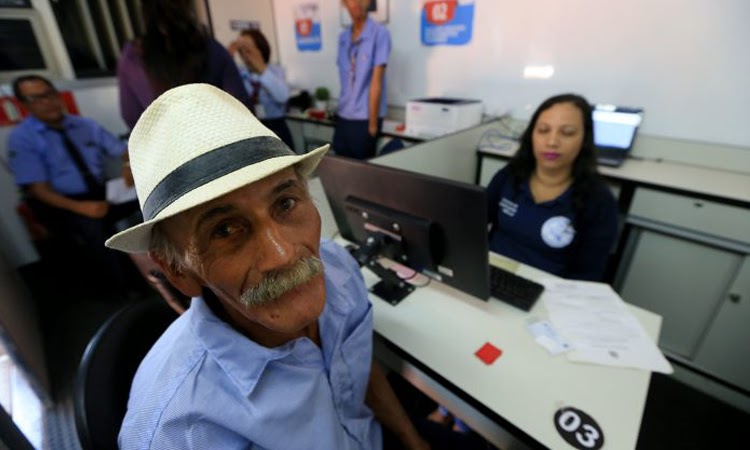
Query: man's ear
(185, 281)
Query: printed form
(595, 320)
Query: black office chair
(107, 368)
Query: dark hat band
(210, 166)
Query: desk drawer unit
(704, 216)
(687, 260)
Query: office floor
(676, 416)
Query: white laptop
(615, 128)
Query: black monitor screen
(432, 225)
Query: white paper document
(595, 320)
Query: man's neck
(57, 124)
(357, 27)
(256, 333)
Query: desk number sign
(578, 429)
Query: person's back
(173, 51)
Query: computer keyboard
(513, 289)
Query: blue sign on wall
(307, 27)
(447, 22)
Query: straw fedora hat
(193, 144)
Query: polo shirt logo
(508, 207)
(558, 232)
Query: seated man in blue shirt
(275, 350)
(58, 160)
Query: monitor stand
(391, 287)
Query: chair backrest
(393, 145)
(156, 278)
(107, 368)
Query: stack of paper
(595, 320)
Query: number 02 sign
(447, 22)
(579, 429)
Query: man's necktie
(256, 91)
(93, 184)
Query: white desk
(441, 328)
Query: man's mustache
(279, 282)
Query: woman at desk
(265, 82)
(549, 208)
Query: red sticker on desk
(488, 353)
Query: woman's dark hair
(173, 47)
(260, 41)
(584, 173)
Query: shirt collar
(367, 32)
(244, 360)
(38, 125)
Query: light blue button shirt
(371, 49)
(204, 385)
(274, 92)
(37, 153)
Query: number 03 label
(578, 429)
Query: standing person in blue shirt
(275, 350)
(549, 208)
(363, 52)
(58, 160)
(265, 82)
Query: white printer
(436, 116)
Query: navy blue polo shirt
(548, 235)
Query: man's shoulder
(77, 120)
(378, 29)
(334, 255)
(161, 377)
(24, 134)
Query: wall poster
(447, 22)
(307, 26)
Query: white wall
(685, 61)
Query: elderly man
(275, 350)
(58, 160)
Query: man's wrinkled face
(257, 250)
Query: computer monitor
(433, 225)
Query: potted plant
(322, 95)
